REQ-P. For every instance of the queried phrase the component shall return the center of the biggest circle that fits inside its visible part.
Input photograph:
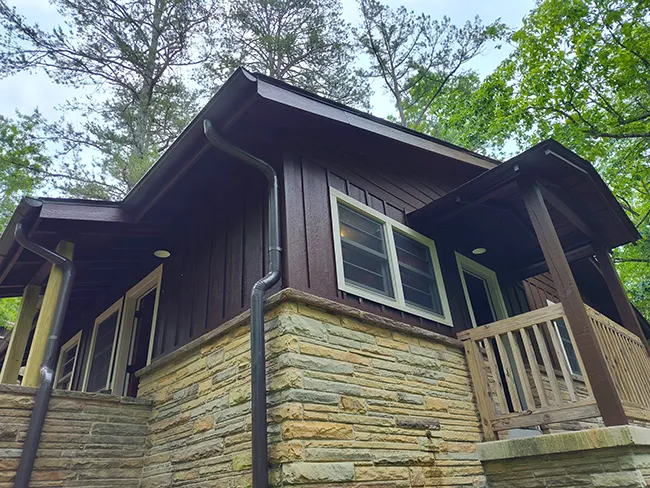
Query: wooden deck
(522, 377)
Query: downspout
(260, 463)
(44, 392)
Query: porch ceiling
(488, 212)
(110, 249)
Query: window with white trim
(102, 349)
(383, 260)
(67, 363)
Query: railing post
(623, 305)
(480, 383)
(596, 368)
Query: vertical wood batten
(20, 335)
(45, 318)
(600, 378)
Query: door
(135, 345)
(482, 292)
(144, 316)
(486, 305)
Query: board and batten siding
(392, 189)
(217, 258)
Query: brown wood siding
(217, 257)
(393, 189)
(539, 289)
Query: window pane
(365, 262)
(66, 366)
(360, 229)
(480, 299)
(568, 347)
(416, 270)
(98, 375)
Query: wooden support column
(596, 369)
(616, 289)
(20, 335)
(45, 318)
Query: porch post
(600, 378)
(45, 318)
(20, 334)
(619, 295)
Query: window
(66, 366)
(384, 261)
(102, 347)
(482, 292)
(567, 346)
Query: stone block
(296, 473)
(316, 430)
(353, 405)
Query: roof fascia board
(295, 100)
(86, 211)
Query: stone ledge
(601, 438)
(293, 295)
(75, 395)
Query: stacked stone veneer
(354, 401)
(88, 440)
(604, 457)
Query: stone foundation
(89, 440)
(354, 400)
(605, 457)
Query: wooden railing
(522, 378)
(628, 362)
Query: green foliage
(22, 162)
(580, 73)
(9, 312)
(22, 168)
(133, 55)
(303, 42)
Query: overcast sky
(28, 91)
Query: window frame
(128, 326)
(389, 225)
(75, 340)
(116, 307)
(494, 289)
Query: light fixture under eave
(478, 251)
(162, 253)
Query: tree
(303, 42)
(23, 167)
(580, 73)
(134, 55)
(406, 50)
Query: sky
(28, 91)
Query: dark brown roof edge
(506, 172)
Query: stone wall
(354, 400)
(605, 457)
(89, 440)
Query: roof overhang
(236, 106)
(488, 212)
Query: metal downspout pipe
(260, 463)
(44, 392)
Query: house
(433, 317)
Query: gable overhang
(488, 212)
